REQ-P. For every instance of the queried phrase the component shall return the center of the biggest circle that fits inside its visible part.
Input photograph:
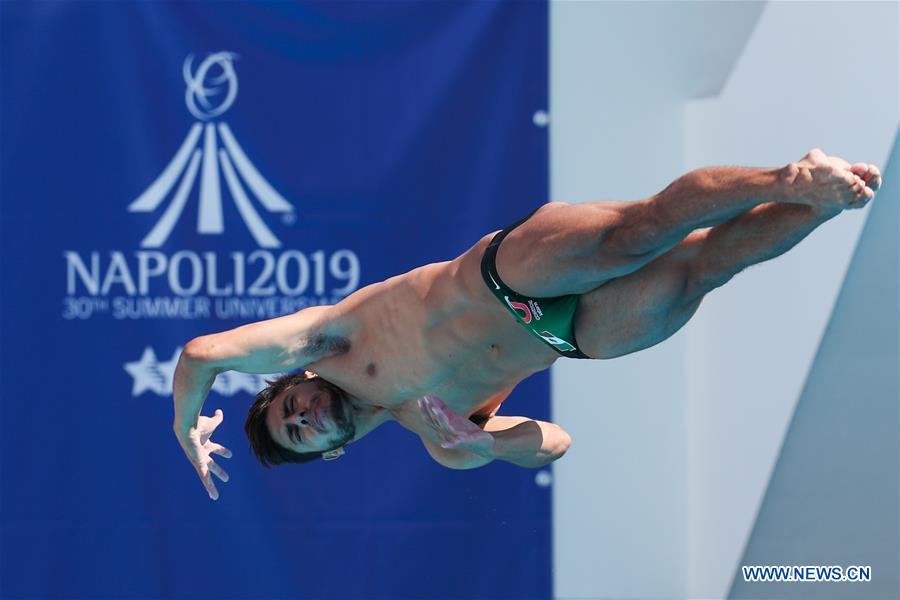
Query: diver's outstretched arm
(282, 344)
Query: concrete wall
(648, 503)
(834, 494)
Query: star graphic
(222, 384)
(150, 374)
(231, 382)
(168, 369)
(147, 374)
(251, 383)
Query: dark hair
(264, 447)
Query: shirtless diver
(438, 349)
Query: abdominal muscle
(435, 330)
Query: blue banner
(176, 169)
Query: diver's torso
(434, 330)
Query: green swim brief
(550, 319)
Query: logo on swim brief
(525, 313)
(215, 76)
(557, 342)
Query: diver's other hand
(199, 448)
(454, 431)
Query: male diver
(438, 349)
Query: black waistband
(489, 260)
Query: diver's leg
(646, 307)
(574, 248)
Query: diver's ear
(333, 454)
(310, 374)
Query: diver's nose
(299, 418)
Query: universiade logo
(203, 87)
(160, 280)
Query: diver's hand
(196, 444)
(453, 431)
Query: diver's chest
(463, 381)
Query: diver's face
(310, 416)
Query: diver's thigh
(638, 310)
(564, 249)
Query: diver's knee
(701, 279)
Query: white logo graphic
(154, 282)
(196, 91)
(201, 86)
(559, 342)
(494, 280)
(149, 374)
